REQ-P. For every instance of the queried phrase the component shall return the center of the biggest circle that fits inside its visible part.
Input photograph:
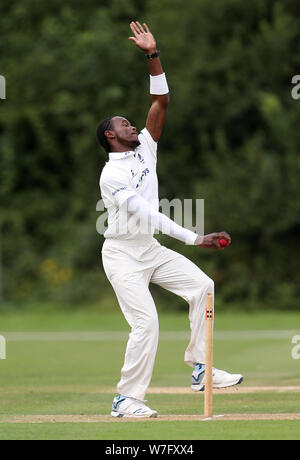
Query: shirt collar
(120, 155)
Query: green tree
(231, 138)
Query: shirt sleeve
(152, 218)
(146, 139)
(116, 188)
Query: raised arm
(144, 40)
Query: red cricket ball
(223, 242)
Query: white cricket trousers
(131, 266)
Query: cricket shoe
(221, 379)
(124, 406)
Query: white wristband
(158, 85)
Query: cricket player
(133, 258)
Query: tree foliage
(231, 137)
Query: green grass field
(68, 364)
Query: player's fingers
(228, 237)
(133, 39)
(134, 29)
(225, 235)
(140, 27)
(218, 245)
(146, 28)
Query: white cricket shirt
(124, 175)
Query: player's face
(125, 132)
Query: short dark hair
(103, 126)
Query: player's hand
(143, 38)
(212, 241)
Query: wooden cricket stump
(208, 391)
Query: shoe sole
(120, 415)
(197, 387)
(222, 385)
(218, 385)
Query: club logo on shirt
(118, 190)
(144, 174)
(141, 159)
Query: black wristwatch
(154, 55)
